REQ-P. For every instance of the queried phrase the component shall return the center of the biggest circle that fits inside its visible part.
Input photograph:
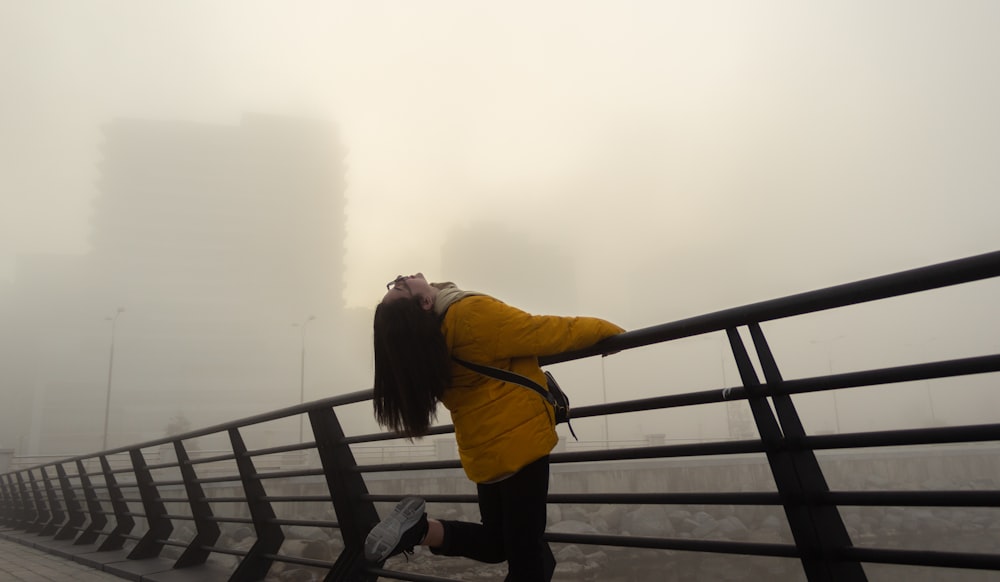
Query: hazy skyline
(679, 157)
(811, 143)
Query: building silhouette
(215, 240)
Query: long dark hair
(412, 366)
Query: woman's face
(411, 286)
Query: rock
(317, 550)
(574, 513)
(296, 575)
(452, 513)
(573, 527)
(678, 516)
(553, 514)
(771, 522)
(599, 524)
(702, 517)
(570, 553)
(611, 514)
(298, 532)
(293, 548)
(241, 533)
(569, 569)
(648, 522)
(705, 528)
(732, 528)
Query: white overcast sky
(805, 143)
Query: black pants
(513, 512)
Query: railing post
(98, 519)
(784, 470)
(124, 523)
(28, 511)
(254, 565)
(160, 527)
(73, 509)
(355, 516)
(201, 511)
(42, 514)
(8, 509)
(829, 530)
(56, 515)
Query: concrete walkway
(19, 563)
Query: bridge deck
(21, 563)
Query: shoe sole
(385, 536)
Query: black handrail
(192, 510)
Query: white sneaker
(404, 528)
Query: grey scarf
(448, 294)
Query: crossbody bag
(554, 395)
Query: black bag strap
(508, 376)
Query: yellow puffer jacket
(502, 427)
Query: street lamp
(829, 360)
(302, 368)
(927, 386)
(111, 365)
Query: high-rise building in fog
(216, 240)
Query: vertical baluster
(201, 511)
(98, 519)
(160, 527)
(254, 565)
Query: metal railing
(124, 518)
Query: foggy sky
(684, 156)
(820, 142)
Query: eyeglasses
(399, 280)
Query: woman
(504, 431)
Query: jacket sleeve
(520, 334)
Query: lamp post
(829, 360)
(111, 366)
(920, 348)
(302, 368)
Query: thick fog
(637, 161)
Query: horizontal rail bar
(955, 272)
(305, 522)
(230, 519)
(222, 479)
(215, 459)
(297, 560)
(711, 546)
(281, 449)
(388, 436)
(734, 498)
(961, 498)
(228, 551)
(901, 437)
(285, 474)
(922, 558)
(304, 498)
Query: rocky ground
(975, 530)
